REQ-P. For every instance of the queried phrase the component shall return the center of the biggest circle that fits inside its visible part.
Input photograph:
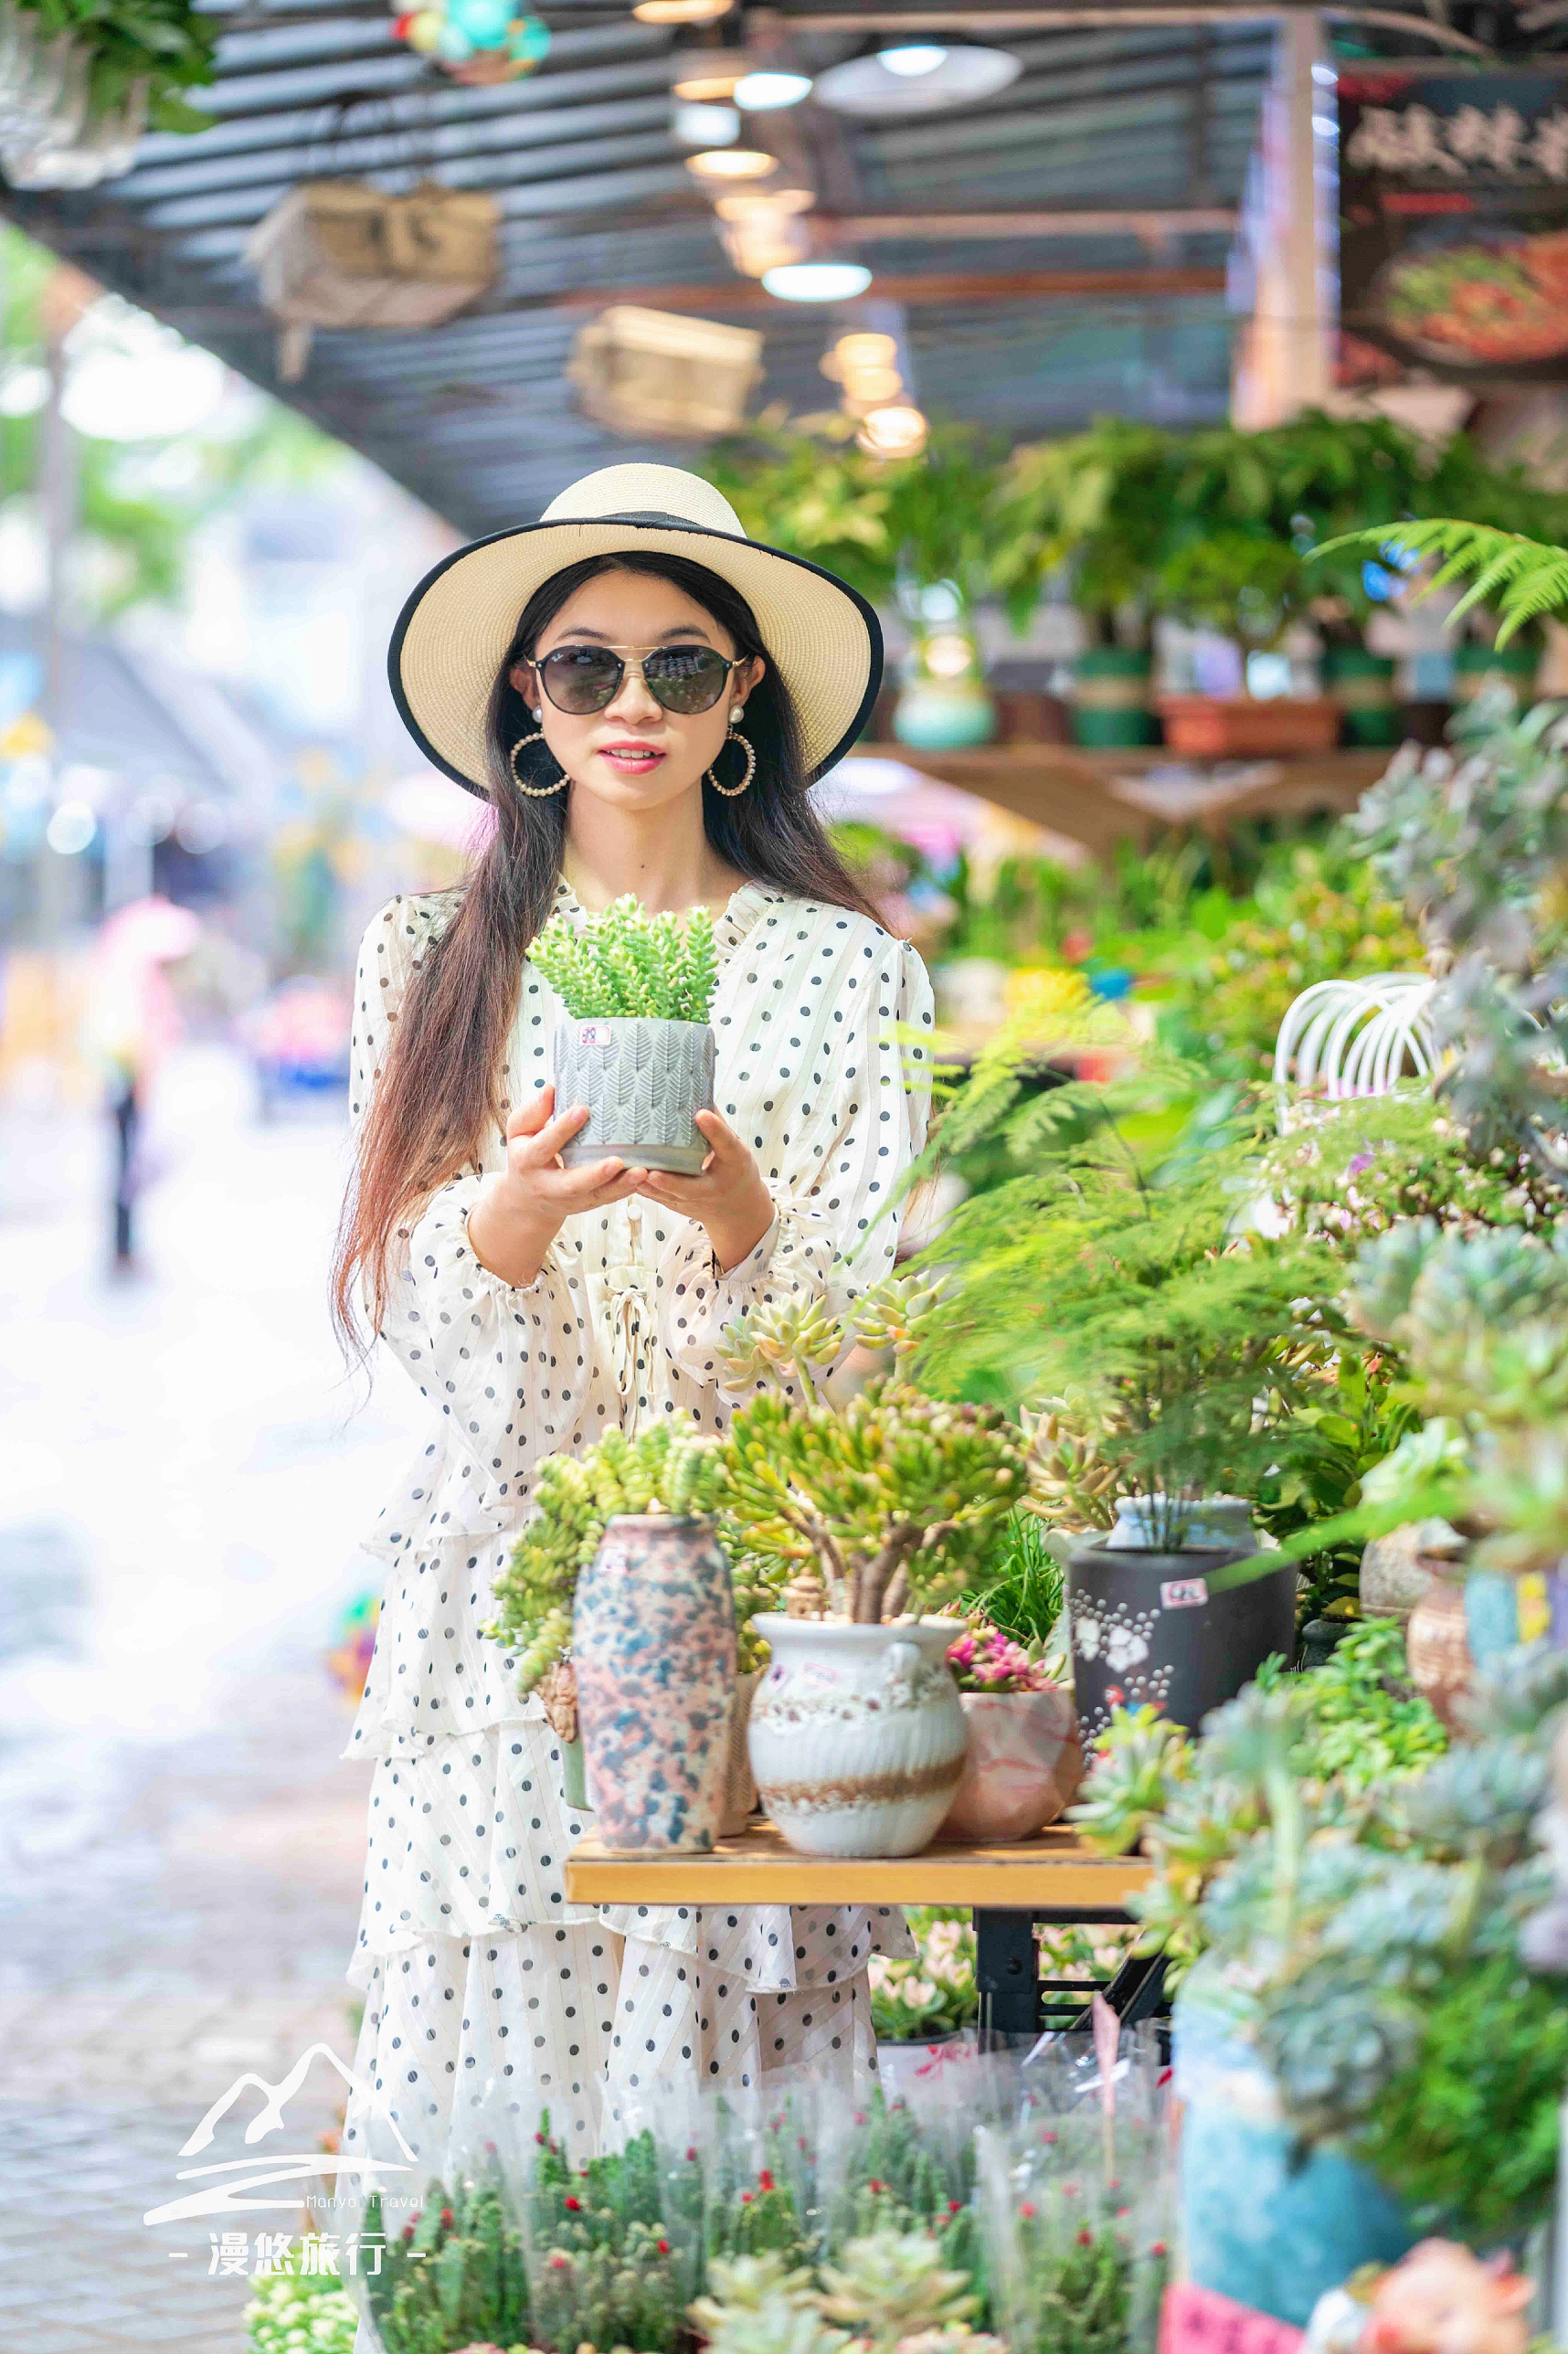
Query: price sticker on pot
(1183, 1594)
(596, 1033)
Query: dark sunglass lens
(581, 678)
(686, 678)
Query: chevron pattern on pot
(642, 1080)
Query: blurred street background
(204, 792)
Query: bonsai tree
(888, 1503)
(628, 964)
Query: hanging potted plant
(1092, 509)
(633, 1042)
(618, 1571)
(1025, 1761)
(878, 1510)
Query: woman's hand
(729, 1198)
(519, 1210)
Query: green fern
(1526, 577)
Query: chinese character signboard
(1453, 223)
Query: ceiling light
(761, 92)
(896, 431)
(707, 89)
(963, 75)
(741, 204)
(704, 126)
(681, 12)
(732, 164)
(913, 58)
(816, 281)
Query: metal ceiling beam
(1026, 221)
(1177, 11)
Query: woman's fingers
(541, 1147)
(529, 1117)
(720, 1135)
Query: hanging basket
(341, 253)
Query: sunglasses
(683, 679)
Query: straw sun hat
(453, 632)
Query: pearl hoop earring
(534, 792)
(732, 792)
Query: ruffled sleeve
(832, 1160)
(507, 1366)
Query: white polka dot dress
(474, 1966)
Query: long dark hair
(442, 1088)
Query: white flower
(1124, 1648)
(1087, 1636)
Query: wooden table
(1050, 1878)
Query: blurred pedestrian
(132, 1019)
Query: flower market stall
(1024, 1591)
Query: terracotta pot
(740, 1783)
(653, 1648)
(643, 1080)
(1024, 1766)
(1437, 1646)
(857, 1737)
(1237, 727)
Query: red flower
(860, 2116)
(573, 2206)
(1159, 2248)
(1086, 2239)
(690, 2153)
(540, 2139)
(953, 2205)
(663, 2247)
(407, 2234)
(446, 2218)
(1026, 2209)
(560, 2264)
(874, 2185)
(745, 2198)
(765, 2181)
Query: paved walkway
(183, 1479)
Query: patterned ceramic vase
(857, 1738)
(642, 1080)
(1023, 1767)
(654, 1647)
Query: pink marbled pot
(1023, 1766)
(653, 1646)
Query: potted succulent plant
(623, 1543)
(633, 1042)
(877, 1510)
(1093, 509)
(1025, 1761)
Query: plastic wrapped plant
(453, 2272)
(626, 964)
(612, 2262)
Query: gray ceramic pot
(643, 1081)
(1146, 1627)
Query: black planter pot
(1146, 1627)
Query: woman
(644, 694)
